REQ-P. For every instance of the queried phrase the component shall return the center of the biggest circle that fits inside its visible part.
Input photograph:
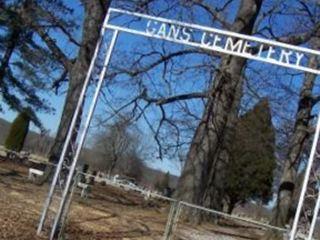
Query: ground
(109, 213)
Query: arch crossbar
(210, 39)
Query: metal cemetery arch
(217, 40)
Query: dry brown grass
(109, 213)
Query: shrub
(18, 132)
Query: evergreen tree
(27, 67)
(18, 132)
(250, 170)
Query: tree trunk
(12, 42)
(113, 165)
(200, 182)
(298, 140)
(95, 11)
(231, 206)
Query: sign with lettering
(211, 39)
(221, 41)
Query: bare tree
(298, 140)
(94, 15)
(206, 128)
(118, 147)
(203, 119)
(75, 69)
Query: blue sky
(129, 43)
(50, 120)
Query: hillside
(35, 143)
(40, 145)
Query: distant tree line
(209, 124)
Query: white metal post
(71, 128)
(215, 31)
(172, 220)
(314, 218)
(306, 180)
(68, 204)
(83, 135)
(117, 29)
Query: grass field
(109, 213)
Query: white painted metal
(220, 50)
(148, 193)
(151, 194)
(192, 44)
(67, 207)
(314, 218)
(70, 131)
(217, 31)
(234, 217)
(84, 189)
(306, 180)
(83, 135)
(172, 220)
(250, 38)
(33, 171)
